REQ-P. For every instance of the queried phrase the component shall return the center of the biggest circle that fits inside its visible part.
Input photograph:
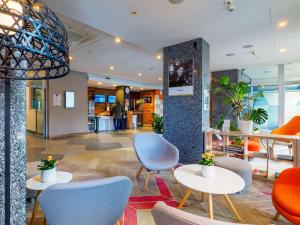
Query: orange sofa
(286, 195)
(290, 128)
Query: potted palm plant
(158, 124)
(48, 170)
(242, 102)
(207, 161)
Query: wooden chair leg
(202, 197)
(147, 177)
(276, 217)
(139, 171)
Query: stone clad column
(186, 117)
(13, 162)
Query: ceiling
(159, 24)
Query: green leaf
(224, 80)
(259, 116)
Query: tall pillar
(12, 152)
(186, 117)
(281, 95)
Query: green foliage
(243, 104)
(47, 164)
(158, 123)
(220, 122)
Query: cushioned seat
(239, 166)
(286, 195)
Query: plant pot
(208, 171)
(48, 176)
(246, 126)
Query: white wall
(64, 121)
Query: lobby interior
(146, 88)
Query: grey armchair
(98, 202)
(166, 215)
(155, 154)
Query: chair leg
(139, 171)
(276, 217)
(147, 181)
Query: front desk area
(136, 107)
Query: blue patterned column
(12, 160)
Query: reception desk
(104, 123)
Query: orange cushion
(253, 146)
(288, 197)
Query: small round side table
(36, 184)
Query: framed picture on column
(181, 77)
(69, 99)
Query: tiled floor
(94, 156)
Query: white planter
(48, 176)
(246, 126)
(208, 171)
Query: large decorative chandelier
(33, 42)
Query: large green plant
(158, 123)
(243, 104)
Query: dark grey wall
(185, 119)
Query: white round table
(223, 183)
(36, 184)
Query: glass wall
(292, 101)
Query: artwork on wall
(69, 99)
(56, 100)
(147, 99)
(181, 77)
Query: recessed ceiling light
(282, 24)
(247, 46)
(111, 67)
(139, 74)
(118, 40)
(114, 85)
(282, 50)
(142, 88)
(90, 51)
(131, 87)
(70, 58)
(176, 1)
(158, 56)
(159, 78)
(133, 13)
(230, 54)
(100, 83)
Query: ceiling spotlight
(111, 67)
(100, 83)
(176, 1)
(118, 40)
(282, 50)
(282, 24)
(130, 87)
(139, 74)
(158, 56)
(230, 54)
(229, 4)
(133, 13)
(114, 85)
(70, 58)
(142, 89)
(159, 79)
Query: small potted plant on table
(208, 162)
(48, 169)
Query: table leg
(35, 208)
(210, 207)
(187, 195)
(228, 200)
(202, 197)
(45, 221)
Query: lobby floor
(94, 156)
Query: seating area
(162, 112)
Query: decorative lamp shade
(33, 41)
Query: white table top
(35, 183)
(224, 181)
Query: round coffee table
(36, 184)
(223, 183)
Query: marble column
(186, 117)
(12, 153)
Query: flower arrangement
(140, 101)
(207, 159)
(47, 164)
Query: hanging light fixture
(33, 41)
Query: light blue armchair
(98, 202)
(155, 154)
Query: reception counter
(104, 123)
